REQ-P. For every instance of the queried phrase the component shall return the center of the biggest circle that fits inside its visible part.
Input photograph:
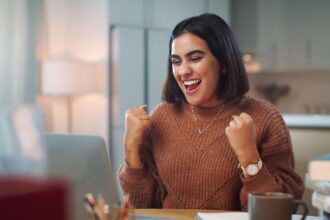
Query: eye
(196, 59)
(176, 61)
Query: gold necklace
(201, 131)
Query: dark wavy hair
(217, 34)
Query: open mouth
(191, 85)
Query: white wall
(18, 63)
(77, 30)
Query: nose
(185, 69)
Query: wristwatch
(252, 169)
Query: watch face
(252, 169)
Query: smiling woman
(195, 69)
(185, 154)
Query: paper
(239, 216)
(223, 216)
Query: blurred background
(85, 62)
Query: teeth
(190, 82)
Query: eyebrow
(191, 53)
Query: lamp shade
(67, 77)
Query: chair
(84, 161)
(309, 143)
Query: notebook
(239, 216)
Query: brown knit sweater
(183, 169)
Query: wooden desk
(175, 214)
(190, 214)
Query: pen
(125, 209)
(106, 212)
(103, 208)
(91, 207)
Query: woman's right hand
(136, 121)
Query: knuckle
(249, 120)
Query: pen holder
(113, 212)
(118, 213)
(98, 209)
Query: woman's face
(196, 70)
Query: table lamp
(67, 78)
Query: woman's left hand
(241, 136)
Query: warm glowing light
(66, 77)
(247, 57)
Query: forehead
(187, 42)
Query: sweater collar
(207, 113)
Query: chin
(193, 102)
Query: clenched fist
(136, 121)
(241, 136)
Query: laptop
(84, 161)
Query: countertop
(309, 121)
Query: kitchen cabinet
(284, 34)
(273, 34)
(310, 34)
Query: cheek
(215, 73)
(213, 79)
(175, 75)
(174, 71)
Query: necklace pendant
(210, 123)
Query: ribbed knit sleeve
(275, 150)
(138, 185)
(142, 186)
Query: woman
(208, 144)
